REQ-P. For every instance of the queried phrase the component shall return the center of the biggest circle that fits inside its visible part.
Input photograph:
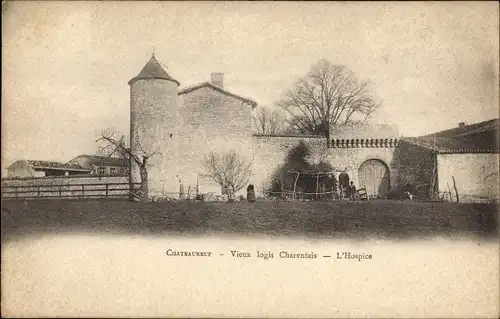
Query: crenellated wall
(364, 142)
(183, 127)
(270, 152)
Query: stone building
(79, 166)
(102, 165)
(463, 160)
(181, 126)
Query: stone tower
(154, 126)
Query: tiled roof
(480, 127)
(153, 70)
(448, 145)
(102, 160)
(55, 166)
(489, 126)
(218, 89)
(479, 137)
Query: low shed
(26, 168)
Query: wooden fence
(73, 191)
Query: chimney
(461, 124)
(218, 79)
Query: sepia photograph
(250, 159)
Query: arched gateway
(374, 174)
(344, 183)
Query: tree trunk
(455, 187)
(144, 184)
(295, 185)
(327, 136)
(281, 185)
(130, 181)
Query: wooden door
(374, 174)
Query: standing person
(181, 191)
(230, 192)
(344, 185)
(250, 193)
(181, 188)
(352, 191)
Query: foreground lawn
(383, 219)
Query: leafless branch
(269, 122)
(111, 145)
(329, 95)
(226, 169)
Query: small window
(112, 170)
(102, 170)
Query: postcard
(250, 159)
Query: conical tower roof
(153, 70)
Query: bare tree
(226, 169)
(329, 95)
(318, 156)
(269, 122)
(112, 145)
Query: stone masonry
(184, 126)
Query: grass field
(373, 219)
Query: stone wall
(476, 176)
(351, 159)
(155, 123)
(213, 121)
(271, 151)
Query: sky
(65, 65)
